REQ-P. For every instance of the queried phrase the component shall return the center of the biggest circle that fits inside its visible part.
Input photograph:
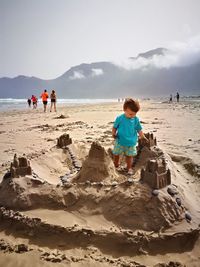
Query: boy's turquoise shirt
(127, 130)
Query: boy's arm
(114, 132)
(115, 126)
(140, 132)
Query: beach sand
(91, 224)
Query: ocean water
(11, 103)
(7, 104)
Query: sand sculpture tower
(97, 166)
(151, 141)
(20, 167)
(64, 140)
(156, 174)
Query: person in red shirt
(34, 100)
(44, 97)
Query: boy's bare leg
(129, 162)
(51, 107)
(116, 160)
(55, 106)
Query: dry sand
(98, 219)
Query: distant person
(125, 131)
(34, 100)
(29, 102)
(177, 96)
(53, 100)
(44, 97)
(170, 99)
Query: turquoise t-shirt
(127, 130)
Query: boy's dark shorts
(44, 102)
(53, 100)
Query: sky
(44, 38)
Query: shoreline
(60, 103)
(75, 102)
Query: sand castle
(153, 165)
(20, 167)
(145, 150)
(151, 141)
(126, 212)
(156, 174)
(64, 140)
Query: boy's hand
(114, 136)
(114, 133)
(145, 139)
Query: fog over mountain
(156, 72)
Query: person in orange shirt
(44, 97)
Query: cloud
(176, 54)
(76, 75)
(97, 72)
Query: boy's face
(129, 113)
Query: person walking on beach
(170, 99)
(53, 100)
(34, 100)
(44, 97)
(29, 102)
(177, 96)
(125, 131)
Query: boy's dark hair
(45, 90)
(132, 104)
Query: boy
(125, 131)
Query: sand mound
(100, 207)
(189, 165)
(92, 191)
(98, 166)
(126, 205)
(123, 242)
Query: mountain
(108, 80)
(160, 51)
